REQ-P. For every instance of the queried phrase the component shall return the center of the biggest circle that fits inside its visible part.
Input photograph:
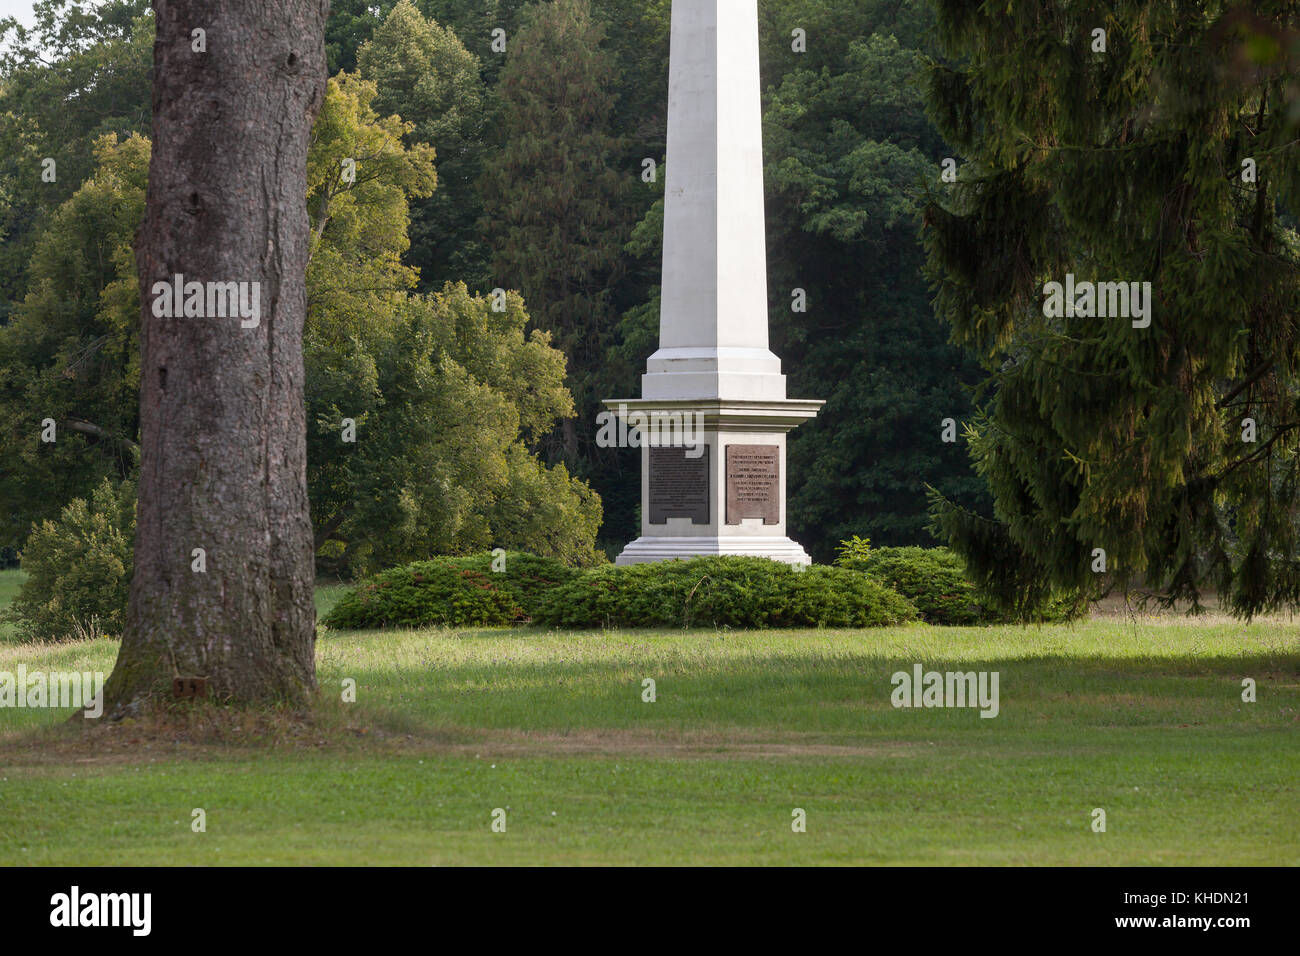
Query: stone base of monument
(646, 549)
(712, 477)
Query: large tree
(426, 76)
(237, 84)
(553, 196)
(441, 391)
(70, 351)
(78, 73)
(1153, 143)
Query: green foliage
(349, 25)
(443, 397)
(931, 578)
(474, 21)
(458, 592)
(553, 196)
(78, 568)
(425, 75)
(71, 350)
(848, 148)
(935, 580)
(854, 549)
(1125, 166)
(722, 592)
(445, 392)
(80, 73)
(355, 274)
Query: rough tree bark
(222, 426)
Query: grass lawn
(1142, 718)
(10, 581)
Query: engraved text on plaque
(753, 483)
(679, 485)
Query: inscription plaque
(754, 483)
(679, 485)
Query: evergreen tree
(553, 199)
(1154, 142)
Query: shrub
(458, 592)
(78, 569)
(722, 592)
(934, 579)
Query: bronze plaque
(754, 483)
(679, 485)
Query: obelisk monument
(713, 362)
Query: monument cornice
(759, 415)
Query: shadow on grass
(844, 696)
(412, 691)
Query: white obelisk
(713, 362)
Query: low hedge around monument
(702, 592)
(934, 579)
(728, 591)
(458, 592)
(867, 587)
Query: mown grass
(10, 581)
(1142, 718)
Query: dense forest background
(477, 169)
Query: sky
(22, 9)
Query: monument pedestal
(725, 495)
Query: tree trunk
(222, 423)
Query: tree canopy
(1155, 144)
(515, 160)
(444, 393)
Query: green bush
(458, 592)
(78, 569)
(722, 592)
(934, 579)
